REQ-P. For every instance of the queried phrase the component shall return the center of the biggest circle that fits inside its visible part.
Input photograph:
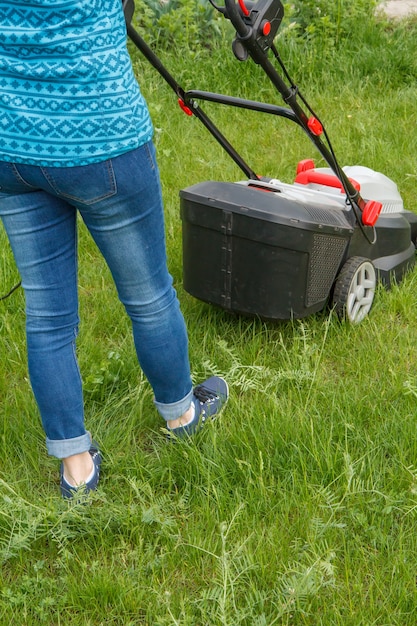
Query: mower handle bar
(289, 94)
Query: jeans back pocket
(84, 184)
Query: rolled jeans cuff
(62, 448)
(175, 409)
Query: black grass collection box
(254, 250)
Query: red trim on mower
(304, 165)
(371, 212)
(243, 8)
(321, 178)
(184, 107)
(315, 126)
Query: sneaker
(69, 491)
(208, 399)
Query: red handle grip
(321, 178)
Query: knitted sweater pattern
(68, 94)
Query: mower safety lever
(246, 7)
(235, 16)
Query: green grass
(297, 507)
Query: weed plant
(299, 505)
(179, 23)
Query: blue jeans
(121, 205)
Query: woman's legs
(42, 233)
(127, 223)
(120, 201)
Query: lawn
(299, 505)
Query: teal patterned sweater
(68, 95)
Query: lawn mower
(280, 251)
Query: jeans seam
(20, 177)
(74, 354)
(149, 155)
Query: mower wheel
(354, 289)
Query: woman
(76, 136)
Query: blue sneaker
(69, 491)
(208, 399)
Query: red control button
(266, 28)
